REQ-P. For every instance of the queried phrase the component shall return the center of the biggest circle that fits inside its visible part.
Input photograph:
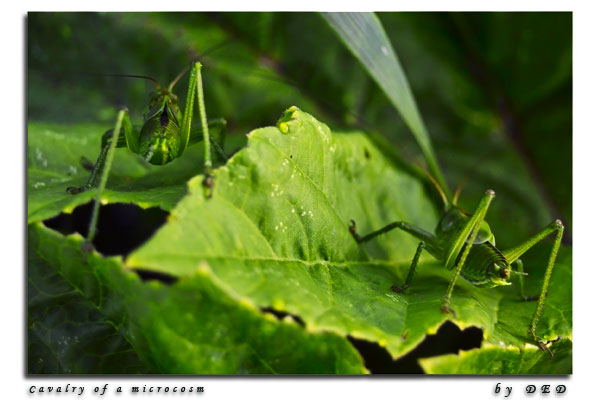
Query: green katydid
(164, 136)
(464, 242)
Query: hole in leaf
(121, 227)
(448, 339)
(367, 154)
(146, 275)
(282, 314)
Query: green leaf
(276, 232)
(365, 37)
(67, 334)
(193, 326)
(495, 360)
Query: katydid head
(499, 274)
(163, 104)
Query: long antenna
(458, 192)
(204, 54)
(435, 184)
(177, 78)
(135, 76)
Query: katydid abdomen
(485, 266)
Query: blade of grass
(365, 37)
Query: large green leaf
(276, 232)
(193, 326)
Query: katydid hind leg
(209, 179)
(110, 141)
(514, 253)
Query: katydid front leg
(107, 155)
(411, 272)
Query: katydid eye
(448, 220)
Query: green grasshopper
(465, 243)
(164, 136)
